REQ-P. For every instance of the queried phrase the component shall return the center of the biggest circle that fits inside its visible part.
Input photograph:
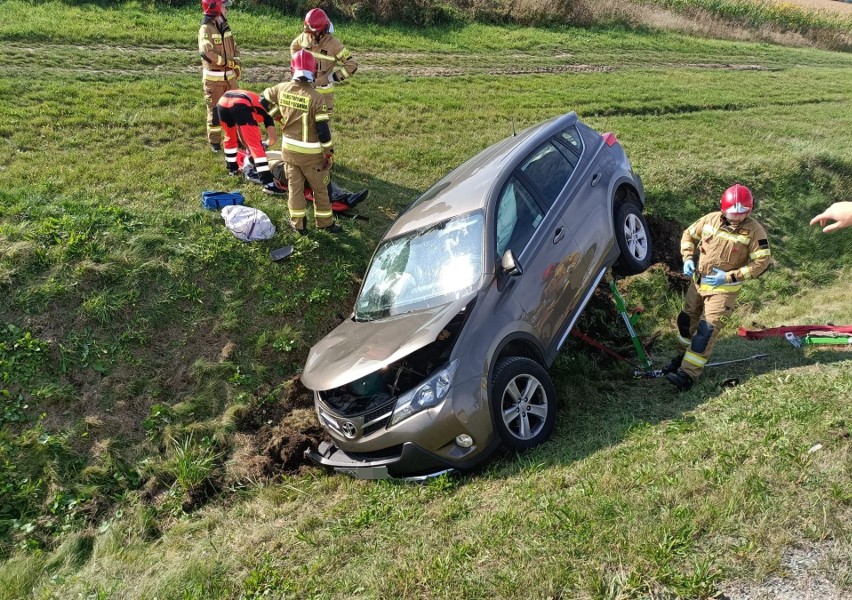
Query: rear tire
(523, 402)
(634, 239)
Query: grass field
(149, 361)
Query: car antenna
(513, 127)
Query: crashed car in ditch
(469, 297)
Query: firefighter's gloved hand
(329, 160)
(716, 278)
(689, 267)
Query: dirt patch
(824, 5)
(273, 439)
(803, 577)
(666, 251)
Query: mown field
(151, 410)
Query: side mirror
(510, 267)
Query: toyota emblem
(348, 428)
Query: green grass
(130, 318)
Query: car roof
(468, 187)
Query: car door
(585, 208)
(540, 241)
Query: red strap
(577, 333)
(798, 330)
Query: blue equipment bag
(216, 200)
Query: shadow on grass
(600, 403)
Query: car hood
(356, 349)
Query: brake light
(609, 139)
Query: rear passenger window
(518, 216)
(548, 170)
(572, 139)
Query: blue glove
(717, 278)
(688, 267)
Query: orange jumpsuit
(240, 113)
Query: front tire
(634, 240)
(523, 402)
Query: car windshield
(424, 268)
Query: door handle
(560, 233)
(595, 179)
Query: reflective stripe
(322, 117)
(711, 231)
(328, 145)
(746, 273)
(262, 168)
(728, 287)
(325, 89)
(219, 75)
(759, 253)
(684, 340)
(297, 213)
(323, 213)
(231, 159)
(214, 129)
(300, 150)
(694, 359)
(301, 144)
(687, 246)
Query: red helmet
(213, 8)
(316, 21)
(737, 200)
(303, 64)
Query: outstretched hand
(839, 212)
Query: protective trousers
(239, 126)
(213, 91)
(698, 335)
(317, 179)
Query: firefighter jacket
(334, 61)
(304, 119)
(220, 56)
(741, 251)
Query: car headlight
(427, 394)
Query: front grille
(373, 427)
(392, 452)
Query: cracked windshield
(424, 268)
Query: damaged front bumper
(408, 462)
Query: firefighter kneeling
(720, 251)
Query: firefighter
(240, 113)
(334, 64)
(220, 60)
(306, 145)
(720, 252)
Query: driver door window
(518, 216)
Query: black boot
(673, 366)
(680, 380)
(356, 197)
(303, 230)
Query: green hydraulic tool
(644, 362)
